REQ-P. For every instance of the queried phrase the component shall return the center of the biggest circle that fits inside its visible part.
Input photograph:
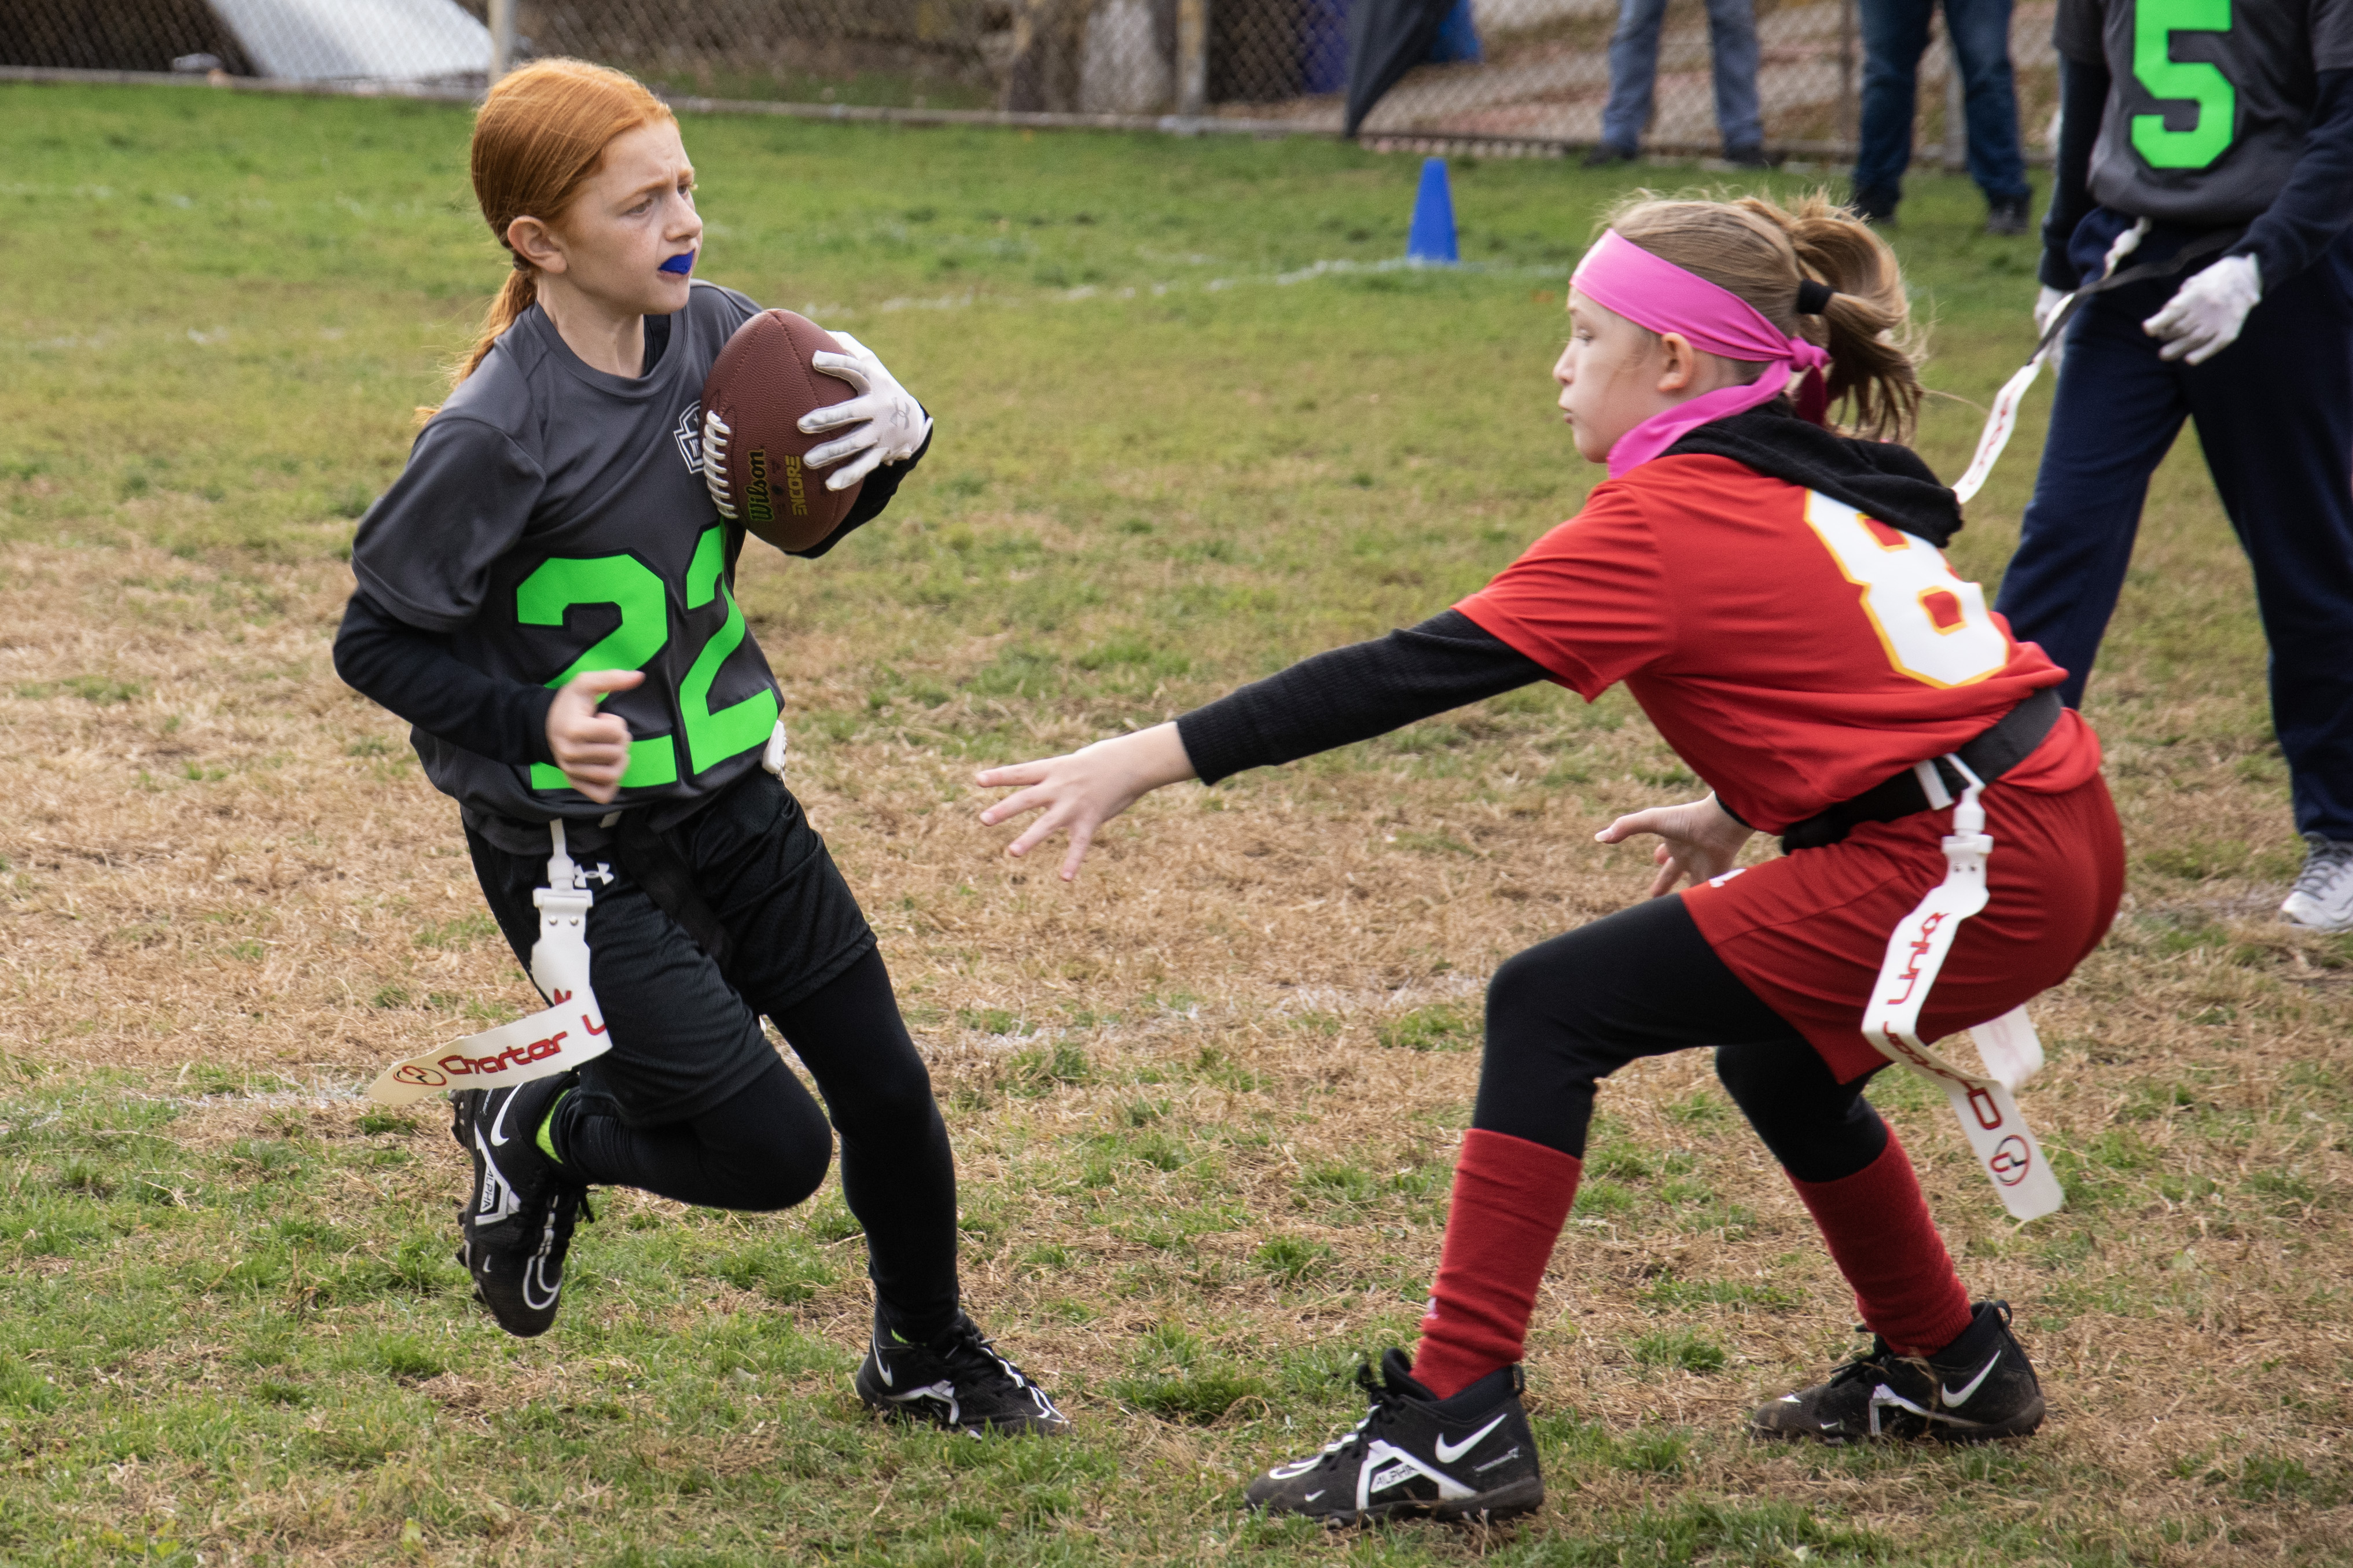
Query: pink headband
(1653, 292)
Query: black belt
(2012, 738)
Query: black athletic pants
(1641, 982)
(694, 1103)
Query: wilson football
(753, 448)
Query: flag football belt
(555, 1039)
(2011, 739)
(2003, 420)
(1986, 1104)
(571, 1029)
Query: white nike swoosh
(1311, 1497)
(1957, 1400)
(1449, 1452)
(498, 1139)
(882, 1366)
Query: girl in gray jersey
(546, 594)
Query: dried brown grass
(263, 916)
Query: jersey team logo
(688, 437)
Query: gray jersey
(553, 521)
(2210, 98)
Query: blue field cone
(1430, 241)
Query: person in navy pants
(2253, 341)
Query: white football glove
(2045, 303)
(2204, 316)
(888, 426)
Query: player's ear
(536, 243)
(1678, 363)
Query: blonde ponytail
(1760, 251)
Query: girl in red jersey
(1774, 596)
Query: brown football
(758, 388)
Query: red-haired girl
(546, 594)
(1775, 597)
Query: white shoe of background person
(2322, 899)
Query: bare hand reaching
(591, 746)
(1699, 839)
(1085, 789)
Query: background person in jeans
(1895, 36)
(1634, 69)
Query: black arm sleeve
(872, 497)
(2317, 204)
(2083, 98)
(1352, 694)
(413, 672)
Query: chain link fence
(1507, 75)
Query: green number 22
(631, 588)
(2154, 24)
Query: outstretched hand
(1698, 839)
(1085, 789)
(591, 746)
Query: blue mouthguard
(679, 263)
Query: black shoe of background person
(1981, 1386)
(959, 1381)
(1606, 154)
(1748, 158)
(1468, 1458)
(518, 1222)
(1876, 207)
(2009, 216)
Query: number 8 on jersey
(1934, 626)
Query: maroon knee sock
(1511, 1198)
(1879, 1231)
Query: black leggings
(766, 1145)
(1641, 982)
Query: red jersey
(1793, 651)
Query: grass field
(1204, 1102)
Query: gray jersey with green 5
(553, 521)
(2210, 98)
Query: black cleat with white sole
(1981, 1386)
(959, 1381)
(1414, 1455)
(518, 1224)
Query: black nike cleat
(960, 1381)
(518, 1224)
(1978, 1387)
(1414, 1455)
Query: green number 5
(2154, 24)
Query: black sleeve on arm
(413, 672)
(1352, 693)
(2083, 98)
(2317, 204)
(872, 497)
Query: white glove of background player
(2204, 317)
(887, 424)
